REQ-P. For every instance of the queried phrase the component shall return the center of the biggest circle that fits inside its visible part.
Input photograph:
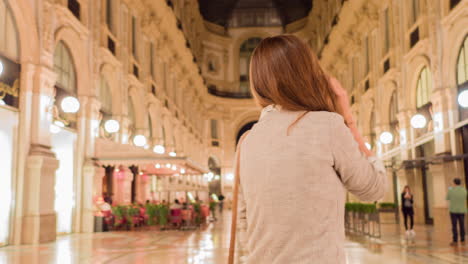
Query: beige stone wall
(441, 36)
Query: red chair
(176, 217)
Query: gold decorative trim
(7, 89)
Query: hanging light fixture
(182, 171)
(139, 140)
(168, 165)
(386, 137)
(463, 99)
(174, 167)
(172, 154)
(418, 121)
(112, 126)
(70, 104)
(159, 149)
(2, 102)
(157, 166)
(216, 177)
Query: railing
(362, 219)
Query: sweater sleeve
(364, 177)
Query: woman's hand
(343, 105)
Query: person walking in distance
(408, 210)
(457, 200)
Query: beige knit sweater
(293, 187)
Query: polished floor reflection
(210, 245)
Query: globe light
(111, 126)
(216, 177)
(418, 121)
(70, 104)
(230, 176)
(1, 68)
(172, 154)
(463, 99)
(182, 171)
(386, 137)
(157, 166)
(368, 145)
(2, 102)
(159, 149)
(174, 167)
(139, 140)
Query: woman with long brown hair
(297, 163)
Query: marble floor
(210, 245)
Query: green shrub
(151, 211)
(163, 214)
(361, 207)
(387, 205)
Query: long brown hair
(285, 72)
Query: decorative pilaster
(39, 219)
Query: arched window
(393, 118)
(245, 53)
(9, 44)
(424, 88)
(462, 64)
(105, 96)
(65, 69)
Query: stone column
(88, 130)
(39, 219)
(444, 111)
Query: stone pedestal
(39, 221)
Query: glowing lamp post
(70, 104)
(159, 149)
(112, 126)
(386, 137)
(463, 99)
(418, 121)
(139, 140)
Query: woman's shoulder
(332, 118)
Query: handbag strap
(232, 244)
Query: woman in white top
(299, 160)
